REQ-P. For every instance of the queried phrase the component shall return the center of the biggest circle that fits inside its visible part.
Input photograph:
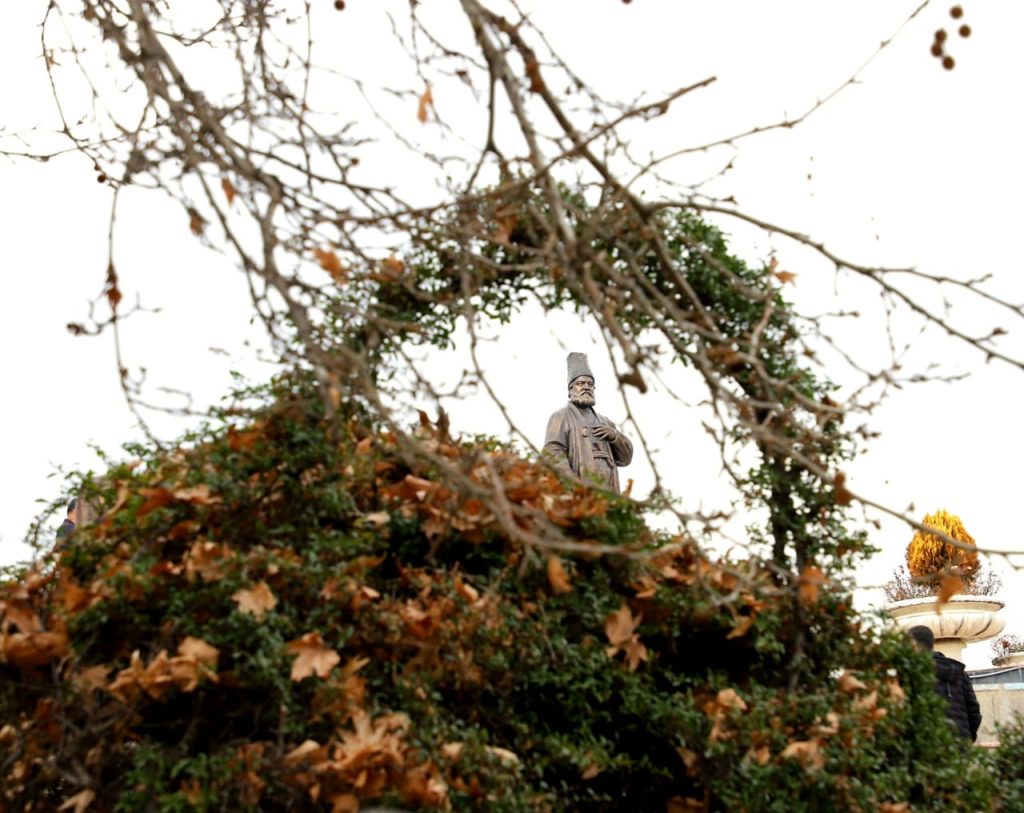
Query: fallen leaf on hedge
(197, 648)
(197, 495)
(24, 620)
(689, 759)
(679, 804)
(467, 591)
(807, 753)
(453, 751)
(79, 802)
(620, 625)
(155, 679)
(423, 787)
(620, 628)
(192, 791)
(866, 703)
(896, 692)
(894, 807)
(312, 657)
(344, 803)
(761, 755)
(829, 727)
(206, 560)
(255, 600)
(743, 624)
(195, 659)
(811, 579)
(75, 597)
(730, 699)
(368, 740)
(557, 577)
(95, 677)
(155, 498)
(310, 752)
(27, 649)
(848, 683)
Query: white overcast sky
(911, 165)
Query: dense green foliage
(375, 635)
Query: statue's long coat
(569, 443)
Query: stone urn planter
(1010, 659)
(964, 619)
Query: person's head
(73, 509)
(923, 637)
(581, 391)
(581, 380)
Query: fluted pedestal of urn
(960, 621)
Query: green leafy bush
(282, 615)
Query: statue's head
(581, 380)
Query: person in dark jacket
(68, 525)
(952, 683)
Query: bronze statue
(581, 441)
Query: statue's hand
(605, 432)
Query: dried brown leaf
(849, 684)
(811, 580)
(80, 802)
(312, 657)
(255, 600)
(331, 263)
(949, 586)
(807, 752)
(558, 578)
(426, 102)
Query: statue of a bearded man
(581, 441)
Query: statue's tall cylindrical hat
(577, 363)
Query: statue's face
(581, 391)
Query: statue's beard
(583, 399)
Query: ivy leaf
(312, 657)
(255, 600)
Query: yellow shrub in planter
(928, 556)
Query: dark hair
(924, 636)
(72, 504)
